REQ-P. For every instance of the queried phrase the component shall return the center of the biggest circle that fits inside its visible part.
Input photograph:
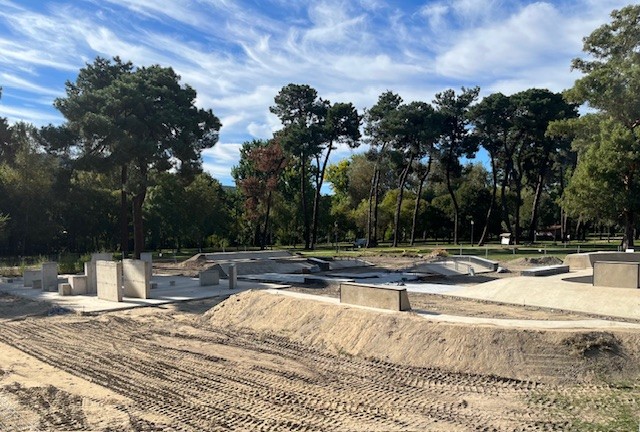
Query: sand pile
(543, 260)
(550, 356)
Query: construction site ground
(269, 362)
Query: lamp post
(472, 224)
(335, 230)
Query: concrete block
(233, 276)
(109, 280)
(209, 277)
(376, 296)
(135, 278)
(64, 289)
(616, 274)
(78, 284)
(29, 276)
(7, 280)
(49, 276)
(37, 284)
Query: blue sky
(239, 54)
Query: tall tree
(303, 115)
(611, 85)
(379, 138)
(414, 128)
(492, 121)
(139, 120)
(341, 126)
(456, 141)
(257, 176)
(536, 108)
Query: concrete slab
(183, 289)
(135, 278)
(49, 276)
(109, 280)
(572, 292)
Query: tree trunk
(516, 234)
(456, 209)
(124, 213)
(396, 217)
(138, 229)
(494, 192)
(417, 206)
(303, 201)
(263, 241)
(316, 200)
(536, 203)
(371, 239)
(627, 242)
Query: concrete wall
(135, 278)
(109, 280)
(616, 274)
(381, 297)
(49, 276)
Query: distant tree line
(124, 171)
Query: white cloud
(22, 84)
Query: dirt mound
(549, 356)
(543, 260)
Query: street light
(472, 224)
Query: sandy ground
(263, 362)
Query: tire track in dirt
(194, 380)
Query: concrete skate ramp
(442, 268)
(583, 261)
(259, 266)
(559, 292)
(247, 255)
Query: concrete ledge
(582, 261)
(616, 274)
(549, 270)
(376, 296)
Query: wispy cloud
(239, 54)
